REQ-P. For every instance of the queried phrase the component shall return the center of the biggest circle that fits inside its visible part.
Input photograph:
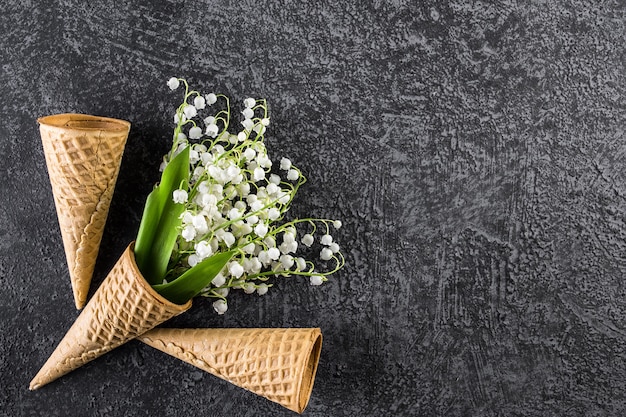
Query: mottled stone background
(475, 153)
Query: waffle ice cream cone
(278, 364)
(124, 307)
(83, 155)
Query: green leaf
(160, 221)
(189, 284)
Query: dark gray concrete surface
(474, 152)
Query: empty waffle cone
(83, 155)
(278, 364)
(124, 307)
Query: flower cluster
(236, 200)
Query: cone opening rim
(86, 122)
(130, 252)
(310, 369)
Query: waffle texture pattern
(83, 155)
(124, 307)
(278, 364)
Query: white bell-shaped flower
(220, 306)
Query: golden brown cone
(83, 155)
(278, 364)
(124, 307)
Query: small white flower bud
(220, 306)
(258, 174)
(248, 113)
(285, 164)
(326, 254)
(264, 257)
(194, 156)
(264, 161)
(173, 83)
(248, 124)
(211, 98)
(249, 248)
(249, 102)
(262, 289)
(270, 242)
(199, 102)
(203, 188)
(284, 199)
(187, 217)
(271, 188)
(287, 261)
(273, 253)
(273, 213)
(292, 175)
(244, 189)
(301, 264)
(199, 222)
(190, 111)
(326, 240)
(193, 260)
(197, 172)
(234, 214)
(229, 239)
(307, 240)
(207, 158)
(209, 200)
(195, 133)
(249, 288)
(260, 230)
(212, 130)
(275, 179)
(179, 196)
(255, 204)
(203, 249)
(289, 237)
(219, 280)
(249, 154)
(235, 269)
(316, 280)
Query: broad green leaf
(160, 221)
(189, 284)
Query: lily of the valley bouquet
(215, 223)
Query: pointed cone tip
(124, 301)
(34, 385)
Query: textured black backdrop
(475, 153)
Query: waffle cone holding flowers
(278, 364)
(124, 307)
(83, 155)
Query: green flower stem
(339, 263)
